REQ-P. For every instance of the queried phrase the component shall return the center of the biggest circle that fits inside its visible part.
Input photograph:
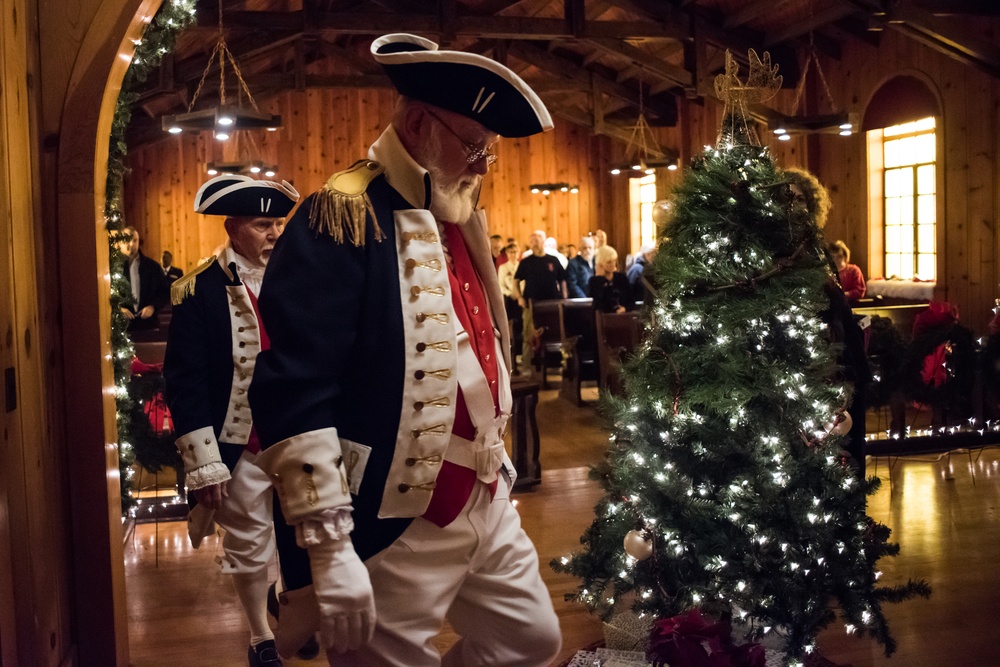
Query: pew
(578, 336)
(547, 352)
(618, 334)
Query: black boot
(264, 654)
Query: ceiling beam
(665, 106)
(644, 60)
(750, 12)
(483, 27)
(833, 12)
(941, 35)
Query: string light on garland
(157, 40)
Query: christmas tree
(727, 490)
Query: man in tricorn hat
(383, 399)
(214, 338)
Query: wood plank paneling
(326, 131)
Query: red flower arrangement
(688, 640)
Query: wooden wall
(35, 550)
(326, 131)
(967, 159)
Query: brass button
(403, 488)
(415, 290)
(236, 420)
(243, 360)
(243, 376)
(419, 375)
(190, 447)
(421, 317)
(307, 468)
(241, 329)
(242, 344)
(411, 263)
(208, 441)
(419, 405)
(411, 462)
(238, 313)
(421, 347)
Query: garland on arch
(135, 439)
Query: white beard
(451, 200)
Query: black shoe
(264, 654)
(272, 601)
(309, 650)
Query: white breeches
(481, 574)
(247, 517)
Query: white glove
(344, 592)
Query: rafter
(547, 61)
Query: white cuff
(198, 448)
(330, 524)
(207, 475)
(308, 473)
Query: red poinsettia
(689, 640)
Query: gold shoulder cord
(341, 206)
(183, 287)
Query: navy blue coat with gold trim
(338, 306)
(198, 366)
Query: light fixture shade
(548, 188)
(834, 123)
(255, 168)
(211, 118)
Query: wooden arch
(99, 606)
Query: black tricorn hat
(466, 83)
(237, 196)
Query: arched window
(900, 125)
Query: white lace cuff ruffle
(333, 524)
(207, 475)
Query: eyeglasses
(473, 153)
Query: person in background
(215, 335)
(609, 287)
(552, 248)
(570, 251)
(505, 274)
(149, 285)
(497, 246)
(541, 274)
(383, 398)
(600, 238)
(852, 281)
(580, 270)
(635, 273)
(171, 272)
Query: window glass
(909, 200)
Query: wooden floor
(943, 511)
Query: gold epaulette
(184, 286)
(341, 206)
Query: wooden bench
(618, 335)
(525, 442)
(547, 352)
(578, 336)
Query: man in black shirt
(543, 275)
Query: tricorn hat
(237, 196)
(466, 83)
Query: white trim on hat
(429, 53)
